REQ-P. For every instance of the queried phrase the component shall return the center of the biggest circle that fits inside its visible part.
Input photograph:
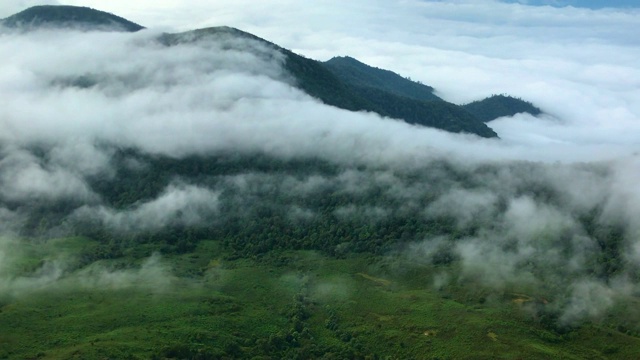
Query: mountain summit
(342, 82)
(52, 16)
(497, 106)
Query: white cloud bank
(579, 65)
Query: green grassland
(285, 304)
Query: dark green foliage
(261, 310)
(307, 74)
(259, 209)
(257, 220)
(436, 114)
(316, 80)
(356, 73)
(366, 91)
(68, 17)
(497, 106)
(258, 292)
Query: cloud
(589, 299)
(179, 204)
(209, 97)
(152, 274)
(23, 177)
(55, 270)
(10, 7)
(559, 58)
(464, 205)
(522, 204)
(593, 4)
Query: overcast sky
(592, 4)
(577, 62)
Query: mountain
(382, 86)
(135, 232)
(359, 74)
(435, 114)
(394, 96)
(497, 106)
(343, 82)
(363, 89)
(85, 18)
(307, 74)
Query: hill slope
(308, 75)
(68, 16)
(342, 82)
(357, 73)
(394, 96)
(359, 92)
(123, 238)
(436, 114)
(497, 106)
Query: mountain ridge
(496, 106)
(85, 18)
(360, 74)
(342, 82)
(332, 88)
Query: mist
(28, 269)
(534, 209)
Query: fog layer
(555, 217)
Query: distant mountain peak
(342, 82)
(64, 16)
(497, 106)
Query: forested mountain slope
(342, 81)
(497, 106)
(338, 88)
(68, 16)
(207, 195)
(356, 73)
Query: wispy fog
(32, 269)
(535, 208)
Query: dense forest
(211, 195)
(497, 106)
(405, 224)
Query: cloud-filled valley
(118, 133)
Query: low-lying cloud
(27, 269)
(534, 209)
(179, 204)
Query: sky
(592, 4)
